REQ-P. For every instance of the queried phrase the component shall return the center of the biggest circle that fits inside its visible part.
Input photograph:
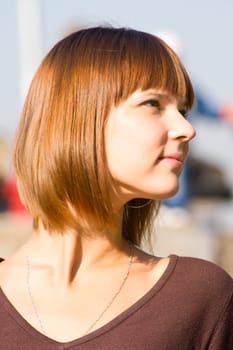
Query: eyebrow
(159, 94)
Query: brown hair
(59, 154)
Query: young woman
(102, 140)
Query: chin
(166, 194)
(163, 189)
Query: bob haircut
(59, 154)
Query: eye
(152, 103)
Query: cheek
(121, 147)
(131, 149)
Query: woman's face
(146, 141)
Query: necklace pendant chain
(35, 309)
(116, 293)
(32, 298)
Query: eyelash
(152, 103)
(156, 104)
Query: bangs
(117, 62)
(148, 63)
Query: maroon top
(189, 308)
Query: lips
(172, 160)
(176, 156)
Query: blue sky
(205, 28)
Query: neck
(70, 254)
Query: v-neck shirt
(189, 307)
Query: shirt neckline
(103, 329)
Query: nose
(181, 128)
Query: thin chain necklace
(32, 297)
(35, 308)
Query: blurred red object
(226, 112)
(15, 204)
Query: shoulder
(203, 294)
(203, 277)
(203, 269)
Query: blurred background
(198, 221)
